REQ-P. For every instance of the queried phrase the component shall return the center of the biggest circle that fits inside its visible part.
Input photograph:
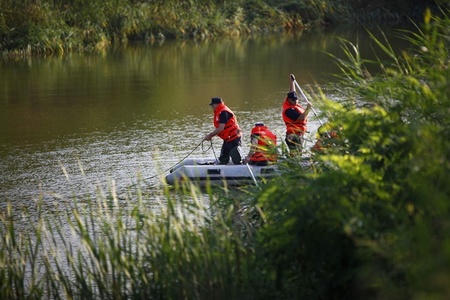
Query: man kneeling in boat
(263, 146)
(228, 130)
(326, 137)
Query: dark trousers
(295, 143)
(233, 149)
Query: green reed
(107, 248)
(58, 26)
(371, 221)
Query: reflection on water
(68, 124)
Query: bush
(373, 217)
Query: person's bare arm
(305, 113)
(216, 131)
(252, 149)
(292, 84)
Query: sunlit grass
(102, 248)
(58, 27)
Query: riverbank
(55, 27)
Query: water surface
(71, 124)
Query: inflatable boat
(204, 171)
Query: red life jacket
(298, 126)
(231, 130)
(318, 147)
(267, 141)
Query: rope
(214, 152)
(168, 169)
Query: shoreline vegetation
(55, 27)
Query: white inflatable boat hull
(205, 171)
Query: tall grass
(107, 249)
(46, 27)
(372, 221)
(58, 26)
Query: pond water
(73, 123)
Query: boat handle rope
(214, 152)
(179, 161)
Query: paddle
(251, 173)
(304, 96)
(306, 99)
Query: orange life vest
(318, 147)
(267, 141)
(298, 126)
(231, 130)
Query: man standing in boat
(227, 128)
(263, 148)
(295, 117)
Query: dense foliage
(372, 220)
(369, 220)
(30, 27)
